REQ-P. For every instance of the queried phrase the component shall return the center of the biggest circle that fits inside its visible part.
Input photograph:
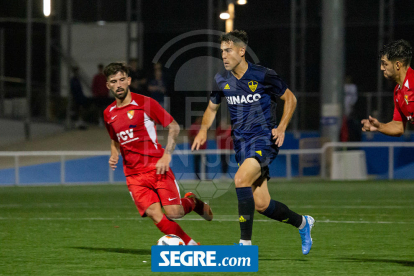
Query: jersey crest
(130, 114)
(252, 85)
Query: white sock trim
(246, 242)
(303, 223)
(192, 242)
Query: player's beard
(120, 96)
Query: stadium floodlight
(241, 2)
(224, 15)
(46, 7)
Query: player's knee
(174, 213)
(241, 182)
(260, 206)
(156, 216)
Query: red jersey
(404, 99)
(133, 126)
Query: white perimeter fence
(323, 152)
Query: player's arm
(206, 123)
(163, 164)
(288, 109)
(393, 128)
(115, 149)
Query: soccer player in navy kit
(251, 92)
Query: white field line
(216, 218)
(86, 205)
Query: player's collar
(230, 74)
(407, 76)
(410, 73)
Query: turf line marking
(85, 205)
(219, 219)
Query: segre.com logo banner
(205, 258)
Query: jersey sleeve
(216, 93)
(276, 85)
(109, 128)
(111, 132)
(157, 113)
(398, 116)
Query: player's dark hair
(115, 67)
(399, 50)
(236, 36)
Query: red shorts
(149, 187)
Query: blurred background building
(312, 45)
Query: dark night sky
(266, 21)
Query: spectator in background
(100, 93)
(351, 95)
(192, 133)
(80, 102)
(157, 86)
(350, 130)
(138, 79)
(224, 142)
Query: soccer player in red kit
(131, 123)
(395, 63)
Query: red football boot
(201, 208)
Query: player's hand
(370, 124)
(163, 165)
(279, 135)
(199, 140)
(113, 160)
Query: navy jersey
(251, 102)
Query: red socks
(171, 227)
(188, 205)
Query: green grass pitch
(362, 228)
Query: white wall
(93, 44)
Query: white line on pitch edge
(216, 219)
(85, 205)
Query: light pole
(2, 96)
(230, 21)
(28, 69)
(230, 14)
(47, 11)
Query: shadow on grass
(364, 260)
(117, 250)
(268, 259)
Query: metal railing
(288, 153)
(390, 145)
(63, 154)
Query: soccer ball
(170, 240)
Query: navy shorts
(264, 154)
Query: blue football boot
(305, 235)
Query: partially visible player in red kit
(131, 123)
(395, 63)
